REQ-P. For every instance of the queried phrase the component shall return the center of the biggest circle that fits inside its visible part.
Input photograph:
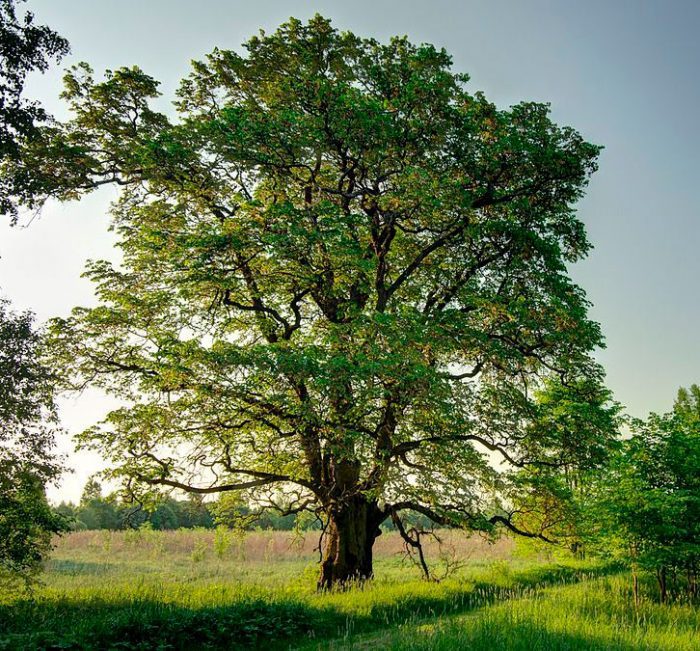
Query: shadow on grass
(255, 622)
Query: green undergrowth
(96, 599)
(85, 605)
(596, 615)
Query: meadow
(214, 590)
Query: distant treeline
(96, 511)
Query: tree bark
(692, 576)
(353, 526)
(661, 578)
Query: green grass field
(200, 590)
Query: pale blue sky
(624, 73)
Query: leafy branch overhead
(25, 47)
(344, 277)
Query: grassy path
(417, 621)
(594, 615)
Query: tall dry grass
(263, 546)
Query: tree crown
(342, 273)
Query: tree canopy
(344, 281)
(24, 47)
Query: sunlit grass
(172, 591)
(596, 614)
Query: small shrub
(106, 541)
(222, 540)
(199, 552)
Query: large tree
(343, 279)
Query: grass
(172, 590)
(596, 614)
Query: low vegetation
(187, 589)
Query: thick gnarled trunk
(353, 526)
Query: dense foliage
(647, 507)
(24, 47)
(27, 460)
(558, 494)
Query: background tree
(194, 512)
(647, 504)
(24, 47)
(573, 439)
(165, 515)
(343, 277)
(27, 461)
(96, 511)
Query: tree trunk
(661, 578)
(692, 580)
(353, 526)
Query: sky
(623, 73)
